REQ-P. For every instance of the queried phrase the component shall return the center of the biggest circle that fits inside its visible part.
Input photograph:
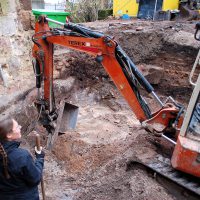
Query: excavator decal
(77, 43)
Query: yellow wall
(121, 6)
(170, 4)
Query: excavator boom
(106, 51)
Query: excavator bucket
(67, 118)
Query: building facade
(134, 8)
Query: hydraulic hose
(83, 30)
(140, 78)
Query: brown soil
(91, 162)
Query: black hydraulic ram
(122, 58)
(138, 75)
(36, 68)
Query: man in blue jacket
(19, 173)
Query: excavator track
(161, 166)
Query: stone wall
(15, 34)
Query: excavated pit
(91, 162)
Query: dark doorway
(146, 8)
(1, 10)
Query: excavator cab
(193, 129)
(186, 156)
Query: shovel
(37, 141)
(66, 121)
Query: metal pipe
(54, 21)
(157, 98)
(38, 94)
(155, 8)
(193, 69)
(170, 140)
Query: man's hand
(39, 153)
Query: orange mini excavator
(183, 128)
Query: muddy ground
(92, 162)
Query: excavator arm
(106, 51)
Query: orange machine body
(186, 157)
